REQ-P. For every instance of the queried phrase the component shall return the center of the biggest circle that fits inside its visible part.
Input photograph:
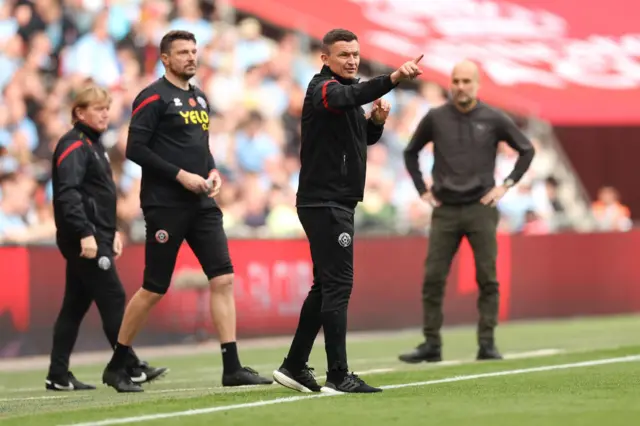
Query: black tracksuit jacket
(84, 192)
(335, 136)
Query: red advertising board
(14, 286)
(540, 276)
(572, 65)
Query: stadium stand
(255, 78)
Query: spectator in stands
(551, 185)
(253, 144)
(376, 213)
(94, 55)
(609, 212)
(534, 224)
(190, 16)
(282, 219)
(553, 210)
(252, 49)
(515, 204)
(11, 209)
(22, 220)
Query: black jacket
(335, 136)
(169, 131)
(84, 193)
(464, 149)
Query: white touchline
(198, 373)
(209, 410)
(519, 371)
(31, 398)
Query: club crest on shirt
(202, 102)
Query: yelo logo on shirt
(196, 117)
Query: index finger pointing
(418, 59)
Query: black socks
(120, 357)
(230, 360)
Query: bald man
(465, 133)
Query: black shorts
(167, 228)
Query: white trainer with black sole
(66, 383)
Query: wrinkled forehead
(345, 47)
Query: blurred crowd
(255, 83)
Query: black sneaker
(301, 381)
(349, 383)
(426, 352)
(488, 353)
(66, 383)
(120, 380)
(144, 373)
(246, 376)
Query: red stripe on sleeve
(146, 102)
(69, 150)
(325, 101)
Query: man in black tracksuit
(465, 134)
(335, 136)
(84, 203)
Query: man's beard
(466, 103)
(185, 75)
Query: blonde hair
(87, 96)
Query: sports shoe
(301, 381)
(348, 383)
(144, 373)
(246, 376)
(427, 352)
(66, 382)
(120, 380)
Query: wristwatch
(508, 183)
